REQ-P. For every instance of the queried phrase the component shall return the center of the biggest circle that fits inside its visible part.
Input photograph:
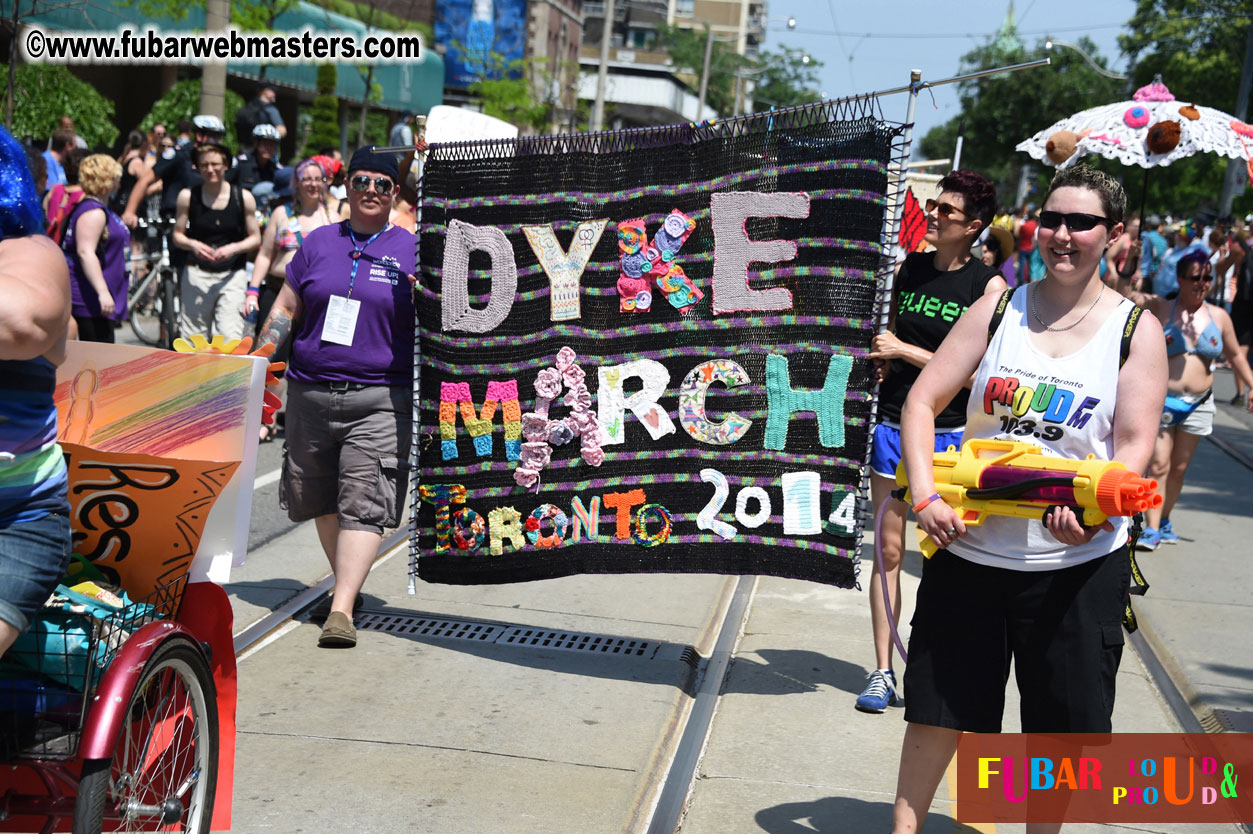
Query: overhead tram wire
(965, 35)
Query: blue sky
(880, 42)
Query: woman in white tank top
(1048, 596)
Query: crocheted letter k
(734, 250)
(456, 312)
(784, 401)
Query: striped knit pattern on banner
(646, 351)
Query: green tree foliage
(786, 79)
(249, 15)
(324, 129)
(507, 90)
(259, 15)
(1197, 47)
(45, 92)
(1002, 110)
(182, 101)
(384, 20)
(686, 48)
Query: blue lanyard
(358, 251)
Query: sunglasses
(945, 210)
(1200, 276)
(361, 183)
(1076, 221)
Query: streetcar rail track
(272, 622)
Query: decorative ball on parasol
(1163, 137)
(1061, 145)
(1136, 117)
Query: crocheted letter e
(734, 251)
(457, 314)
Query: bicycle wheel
(145, 310)
(163, 774)
(169, 308)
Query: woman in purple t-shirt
(96, 244)
(350, 381)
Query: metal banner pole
(915, 77)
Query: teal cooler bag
(74, 636)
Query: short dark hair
(62, 138)
(71, 162)
(265, 87)
(1196, 256)
(978, 192)
(1082, 175)
(185, 125)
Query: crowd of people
(329, 281)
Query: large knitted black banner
(646, 351)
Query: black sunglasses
(1200, 276)
(944, 210)
(1076, 221)
(382, 185)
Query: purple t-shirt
(114, 246)
(382, 345)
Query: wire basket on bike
(48, 677)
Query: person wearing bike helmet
(175, 169)
(34, 503)
(258, 170)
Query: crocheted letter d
(457, 314)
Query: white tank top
(1064, 405)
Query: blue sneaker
(1149, 539)
(1166, 533)
(880, 692)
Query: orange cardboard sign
(140, 517)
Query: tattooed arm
(278, 324)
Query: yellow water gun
(1015, 479)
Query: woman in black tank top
(132, 162)
(216, 227)
(932, 291)
(217, 224)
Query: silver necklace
(1073, 323)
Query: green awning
(414, 85)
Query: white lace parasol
(1140, 132)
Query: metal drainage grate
(568, 641)
(573, 641)
(427, 627)
(1231, 721)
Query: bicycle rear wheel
(169, 308)
(145, 310)
(163, 774)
